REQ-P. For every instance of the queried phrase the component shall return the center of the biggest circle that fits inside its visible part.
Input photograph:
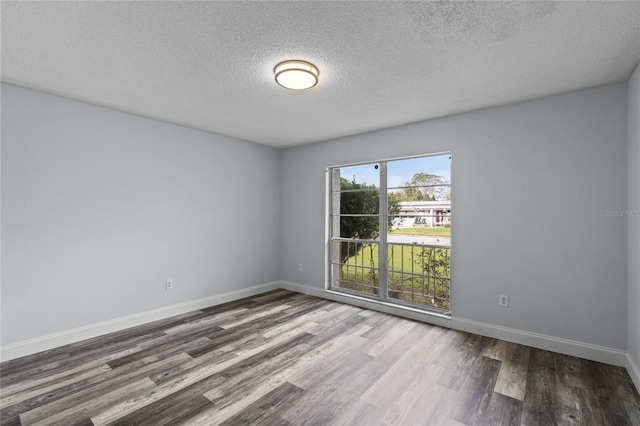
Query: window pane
(421, 222)
(419, 274)
(357, 227)
(421, 179)
(358, 253)
(419, 200)
(356, 267)
(357, 177)
(357, 201)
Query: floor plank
(283, 358)
(541, 398)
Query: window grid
(415, 274)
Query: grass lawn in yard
(429, 232)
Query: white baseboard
(39, 344)
(539, 341)
(634, 371)
(304, 289)
(543, 341)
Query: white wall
(633, 226)
(99, 207)
(549, 168)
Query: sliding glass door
(390, 230)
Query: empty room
(320, 213)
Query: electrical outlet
(168, 284)
(504, 300)
(300, 267)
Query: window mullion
(382, 249)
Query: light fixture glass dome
(296, 75)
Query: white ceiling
(209, 65)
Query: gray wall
(531, 183)
(99, 207)
(633, 222)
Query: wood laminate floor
(284, 358)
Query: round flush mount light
(296, 75)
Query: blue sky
(400, 171)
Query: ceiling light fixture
(296, 75)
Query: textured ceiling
(209, 65)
